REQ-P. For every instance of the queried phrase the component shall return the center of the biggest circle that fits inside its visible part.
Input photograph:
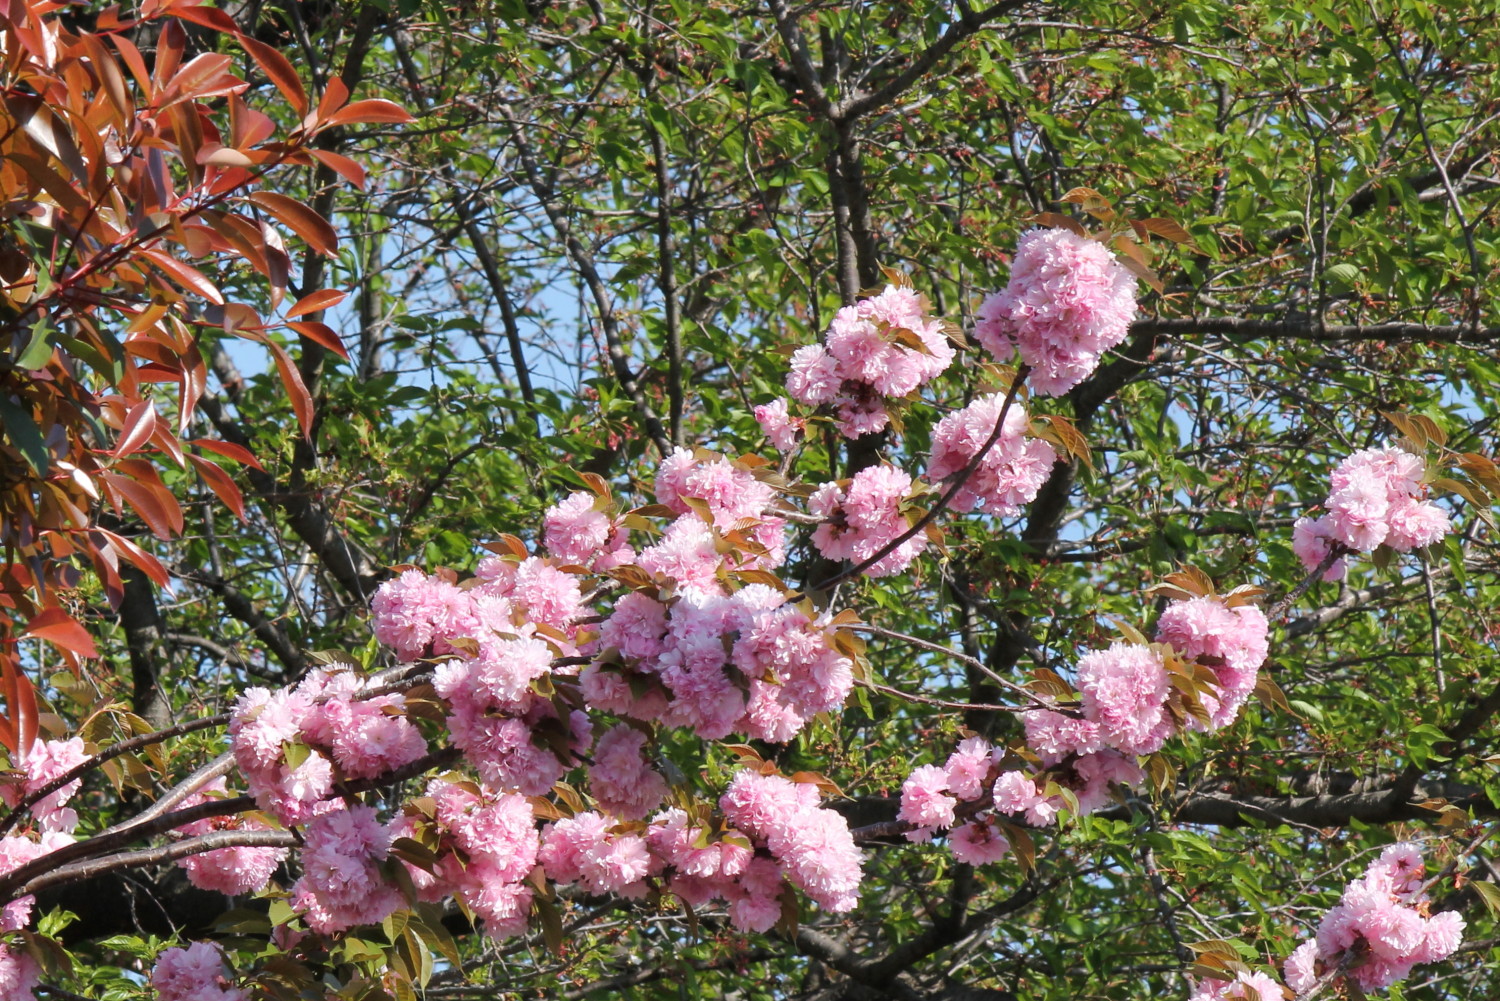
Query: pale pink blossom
(342, 885)
(578, 530)
(20, 974)
(779, 426)
(863, 519)
(1231, 642)
(925, 802)
(621, 781)
(236, 869)
(1011, 472)
(968, 767)
(978, 843)
(44, 761)
(1383, 914)
(1244, 987)
(1312, 541)
(196, 973)
(1125, 691)
(1067, 302)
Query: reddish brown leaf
(205, 75)
(215, 155)
(315, 301)
(248, 127)
(374, 109)
(144, 561)
(59, 628)
(280, 72)
(311, 227)
(320, 333)
(188, 278)
(220, 483)
(209, 17)
(291, 379)
(335, 96)
(137, 65)
(170, 45)
(229, 450)
(340, 164)
(136, 431)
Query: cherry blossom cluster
(44, 761)
(1009, 474)
(501, 632)
(1378, 499)
(52, 828)
(238, 868)
(1380, 929)
(1246, 986)
(196, 973)
(750, 662)
(885, 346)
(714, 499)
(778, 836)
(581, 530)
(483, 845)
(1128, 706)
(991, 791)
(342, 883)
(1067, 302)
(862, 517)
(292, 745)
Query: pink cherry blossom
(1125, 691)
(1068, 301)
(577, 530)
(1244, 987)
(1231, 642)
(924, 798)
(783, 429)
(861, 520)
(621, 780)
(196, 973)
(978, 843)
(1385, 914)
(1011, 472)
(342, 885)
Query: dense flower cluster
(44, 761)
(1244, 987)
(779, 425)
(799, 843)
(862, 518)
(196, 973)
(1383, 922)
(326, 723)
(485, 847)
(976, 781)
(342, 884)
(1128, 707)
(748, 663)
(1230, 641)
(20, 974)
(812, 846)
(1377, 500)
(1011, 472)
(884, 346)
(579, 530)
(232, 870)
(730, 499)
(1067, 302)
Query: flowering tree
(777, 528)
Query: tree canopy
(480, 388)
